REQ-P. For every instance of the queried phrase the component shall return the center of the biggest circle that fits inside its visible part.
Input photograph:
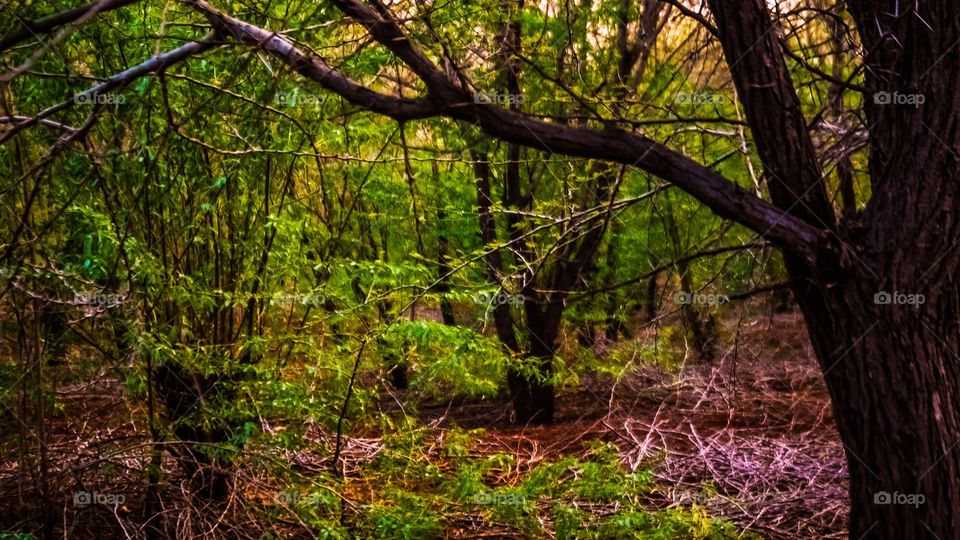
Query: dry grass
(750, 437)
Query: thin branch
(448, 97)
(121, 80)
(33, 29)
(664, 267)
(44, 122)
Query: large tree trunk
(533, 398)
(894, 379)
(891, 368)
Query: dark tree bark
(891, 368)
(651, 302)
(502, 318)
(699, 322)
(531, 390)
(183, 392)
(532, 400)
(444, 270)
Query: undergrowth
(426, 483)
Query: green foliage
(406, 519)
(16, 535)
(449, 360)
(421, 479)
(600, 479)
(665, 525)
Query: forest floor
(748, 438)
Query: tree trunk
(891, 368)
(184, 392)
(699, 322)
(533, 392)
(894, 379)
(443, 269)
(533, 400)
(651, 299)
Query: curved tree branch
(753, 51)
(449, 98)
(120, 80)
(30, 29)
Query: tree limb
(753, 51)
(449, 98)
(121, 80)
(29, 29)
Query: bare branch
(44, 122)
(449, 98)
(122, 79)
(31, 29)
